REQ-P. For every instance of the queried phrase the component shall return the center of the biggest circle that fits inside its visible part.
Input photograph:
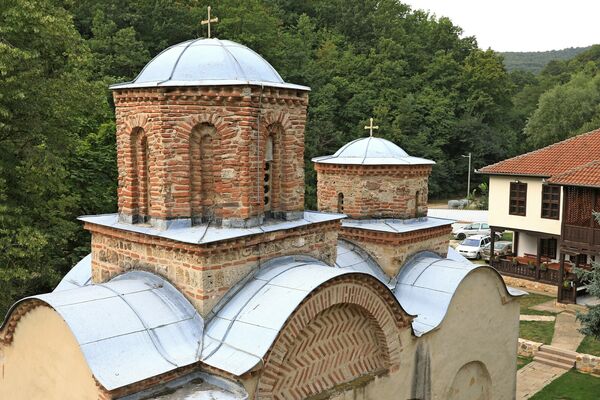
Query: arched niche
(140, 175)
(471, 382)
(204, 173)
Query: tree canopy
(430, 89)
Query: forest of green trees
(431, 91)
(535, 61)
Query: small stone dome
(204, 62)
(372, 151)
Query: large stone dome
(208, 62)
(372, 151)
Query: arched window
(340, 203)
(140, 176)
(203, 173)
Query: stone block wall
(392, 250)
(204, 273)
(527, 348)
(373, 191)
(588, 364)
(193, 153)
(530, 285)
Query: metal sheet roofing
(80, 275)
(551, 160)
(206, 233)
(208, 62)
(246, 324)
(132, 328)
(396, 225)
(426, 285)
(371, 151)
(352, 258)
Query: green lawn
(523, 361)
(533, 300)
(571, 386)
(537, 331)
(589, 346)
(508, 236)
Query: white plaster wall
(44, 361)
(532, 221)
(527, 244)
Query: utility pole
(469, 178)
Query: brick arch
(192, 121)
(277, 118)
(348, 327)
(136, 121)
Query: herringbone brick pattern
(340, 344)
(348, 328)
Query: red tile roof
(585, 175)
(555, 159)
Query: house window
(548, 248)
(518, 198)
(550, 201)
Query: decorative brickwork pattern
(346, 329)
(392, 250)
(166, 118)
(373, 191)
(204, 273)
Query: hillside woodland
(535, 61)
(432, 91)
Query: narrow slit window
(340, 203)
(268, 174)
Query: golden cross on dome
(370, 127)
(208, 21)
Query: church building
(212, 281)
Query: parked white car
(472, 247)
(476, 228)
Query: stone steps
(556, 357)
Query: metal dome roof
(372, 151)
(203, 62)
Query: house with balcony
(546, 198)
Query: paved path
(533, 377)
(545, 318)
(566, 333)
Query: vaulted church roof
(204, 62)
(129, 329)
(372, 151)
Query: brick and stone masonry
(392, 250)
(193, 154)
(204, 273)
(373, 191)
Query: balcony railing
(581, 235)
(527, 271)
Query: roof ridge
(572, 138)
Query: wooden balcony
(581, 237)
(528, 270)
